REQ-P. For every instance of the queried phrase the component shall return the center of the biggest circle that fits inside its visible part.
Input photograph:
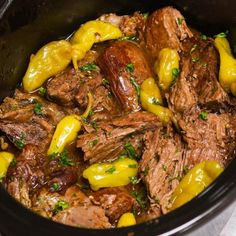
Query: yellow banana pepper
(111, 174)
(51, 59)
(151, 100)
(227, 74)
(89, 33)
(127, 219)
(67, 130)
(195, 181)
(5, 160)
(167, 67)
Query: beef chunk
(63, 87)
(110, 138)
(210, 136)
(165, 28)
(115, 201)
(81, 213)
(27, 176)
(198, 82)
(161, 167)
(29, 119)
(125, 66)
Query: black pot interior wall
(27, 25)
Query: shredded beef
(109, 140)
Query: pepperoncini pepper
(51, 59)
(195, 181)
(127, 219)
(167, 62)
(67, 129)
(227, 74)
(151, 100)
(5, 160)
(89, 33)
(111, 174)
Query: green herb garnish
(60, 206)
(64, 159)
(175, 73)
(94, 125)
(38, 108)
(13, 162)
(195, 59)
(56, 186)
(130, 151)
(204, 37)
(194, 47)
(111, 170)
(136, 85)
(93, 143)
(140, 198)
(132, 166)
(42, 91)
(130, 67)
(134, 180)
(129, 38)
(105, 82)
(180, 21)
(145, 15)
(20, 142)
(203, 115)
(89, 67)
(164, 167)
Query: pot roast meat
(27, 176)
(111, 136)
(212, 138)
(161, 167)
(165, 28)
(22, 126)
(115, 201)
(198, 82)
(124, 81)
(82, 213)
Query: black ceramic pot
(26, 25)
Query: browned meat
(28, 174)
(81, 212)
(63, 87)
(125, 80)
(115, 201)
(129, 24)
(165, 28)
(21, 123)
(161, 167)
(109, 140)
(212, 137)
(198, 81)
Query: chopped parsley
(132, 166)
(91, 113)
(93, 143)
(155, 101)
(13, 162)
(129, 38)
(180, 21)
(20, 142)
(94, 125)
(111, 170)
(136, 85)
(105, 82)
(195, 59)
(204, 37)
(175, 73)
(130, 151)
(203, 115)
(89, 67)
(63, 158)
(140, 198)
(130, 67)
(56, 186)
(164, 167)
(60, 206)
(186, 170)
(134, 180)
(222, 34)
(145, 15)
(38, 109)
(42, 91)
(194, 47)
